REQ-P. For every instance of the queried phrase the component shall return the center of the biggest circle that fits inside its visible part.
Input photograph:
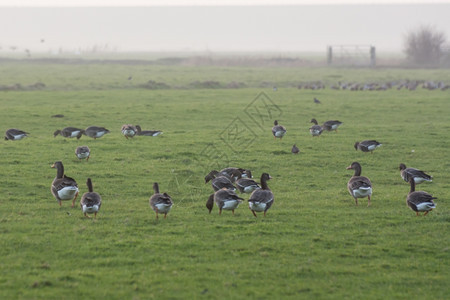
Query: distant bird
(14, 134)
(63, 187)
(95, 132)
(42, 40)
(91, 201)
(418, 175)
(130, 77)
(218, 181)
(278, 131)
(147, 132)
(274, 88)
(331, 125)
(83, 152)
(261, 199)
(69, 132)
(315, 130)
(367, 145)
(317, 100)
(420, 200)
(128, 131)
(160, 203)
(225, 200)
(359, 186)
(295, 149)
(58, 116)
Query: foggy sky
(230, 28)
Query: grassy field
(314, 242)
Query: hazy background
(294, 28)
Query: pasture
(314, 242)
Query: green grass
(313, 243)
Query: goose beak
(349, 168)
(53, 166)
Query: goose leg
(253, 213)
(368, 197)
(75, 198)
(156, 211)
(86, 215)
(425, 213)
(356, 201)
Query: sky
(202, 2)
(164, 26)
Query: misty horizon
(216, 29)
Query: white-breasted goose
(160, 202)
(419, 200)
(147, 132)
(331, 125)
(69, 132)
(261, 199)
(83, 152)
(91, 201)
(219, 181)
(128, 131)
(359, 186)
(225, 199)
(235, 173)
(14, 134)
(63, 187)
(316, 129)
(418, 175)
(278, 131)
(246, 185)
(367, 145)
(95, 132)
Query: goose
(63, 187)
(331, 125)
(95, 132)
(359, 186)
(295, 149)
(367, 145)
(278, 131)
(83, 152)
(420, 200)
(160, 203)
(219, 181)
(147, 132)
(261, 199)
(316, 129)
(317, 100)
(246, 185)
(128, 131)
(69, 132)
(91, 201)
(418, 175)
(14, 134)
(234, 173)
(226, 200)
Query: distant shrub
(153, 85)
(423, 46)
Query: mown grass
(314, 242)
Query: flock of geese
(360, 186)
(225, 182)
